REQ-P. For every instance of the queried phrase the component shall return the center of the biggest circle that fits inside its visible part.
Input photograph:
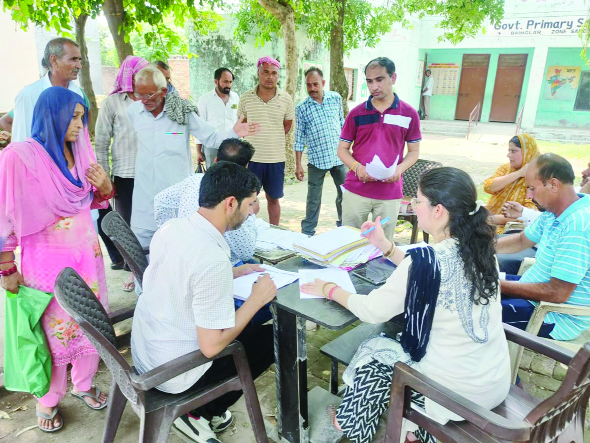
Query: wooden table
(290, 314)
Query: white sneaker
(221, 422)
(195, 430)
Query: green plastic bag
(27, 360)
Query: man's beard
(236, 221)
(225, 91)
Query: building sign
(561, 82)
(525, 27)
(445, 77)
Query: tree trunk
(114, 12)
(338, 81)
(285, 14)
(85, 80)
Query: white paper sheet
(265, 246)
(378, 170)
(338, 276)
(281, 238)
(243, 284)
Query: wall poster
(446, 76)
(420, 73)
(561, 82)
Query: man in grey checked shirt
(319, 120)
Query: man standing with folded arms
(380, 126)
(319, 120)
(273, 109)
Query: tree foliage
(157, 22)
(584, 34)
(365, 21)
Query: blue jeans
(315, 183)
(518, 311)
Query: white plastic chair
(537, 319)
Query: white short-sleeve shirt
(183, 287)
(222, 116)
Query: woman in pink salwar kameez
(48, 184)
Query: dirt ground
(82, 425)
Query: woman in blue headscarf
(48, 184)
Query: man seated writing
(187, 303)
(182, 199)
(561, 273)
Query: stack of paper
(360, 256)
(338, 276)
(331, 245)
(243, 284)
(271, 238)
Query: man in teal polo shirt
(561, 273)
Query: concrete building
(530, 62)
(22, 53)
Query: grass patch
(481, 194)
(566, 150)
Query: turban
(269, 60)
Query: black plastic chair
(410, 190)
(521, 417)
(157, 410)
(126, 243)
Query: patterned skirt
(365, 402)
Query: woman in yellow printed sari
(508, 184)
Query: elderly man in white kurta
(163, 125)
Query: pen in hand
(385, 220)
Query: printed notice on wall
(446, 76)
(419, 73)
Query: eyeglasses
(415, 202)
(144, 96)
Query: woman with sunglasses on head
(450, 296)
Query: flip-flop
(81, 396)
(45, 416)
(129, 287)
(129, 284)
(332, 410)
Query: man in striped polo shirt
(561, 273)
(274, 110)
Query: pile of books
(332, 246)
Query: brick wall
(109, 74)
(180, 76)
